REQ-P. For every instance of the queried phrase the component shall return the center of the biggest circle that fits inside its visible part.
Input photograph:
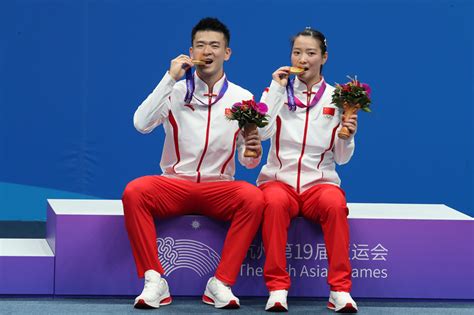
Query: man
(198, 166)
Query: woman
(300, 177)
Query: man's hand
(179, 65)
(252, 142)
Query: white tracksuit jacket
(304, 143)
(200, 142)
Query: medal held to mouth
(297, 70)
(198, 62)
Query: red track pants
(324, 204)
(157, 196)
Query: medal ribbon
(293, 101)
(190, 86)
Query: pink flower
(261, 108)
(367, 88)
(236, 106)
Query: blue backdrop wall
(73, 72)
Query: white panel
(25, 247)
(356, 210)
(86, 207)
(404, 211)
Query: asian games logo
(186, 254)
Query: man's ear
(228, 52)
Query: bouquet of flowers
(249, 115)
(351, 97)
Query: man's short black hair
(211, 24)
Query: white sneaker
(342, 302)
(155, 292)
(277, 301)
(219, 294)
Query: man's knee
(252, 198)
(139, 192)
(134, 189)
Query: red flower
(248, 103)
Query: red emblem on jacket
(329, 111)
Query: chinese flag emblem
(329, 111)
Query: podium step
(396, 251)
(26, 267)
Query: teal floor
(48, 305)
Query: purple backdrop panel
(93, 257)
(421, 258)
(391, 258)
(304, 247)
(26, 275)
(190, 248)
